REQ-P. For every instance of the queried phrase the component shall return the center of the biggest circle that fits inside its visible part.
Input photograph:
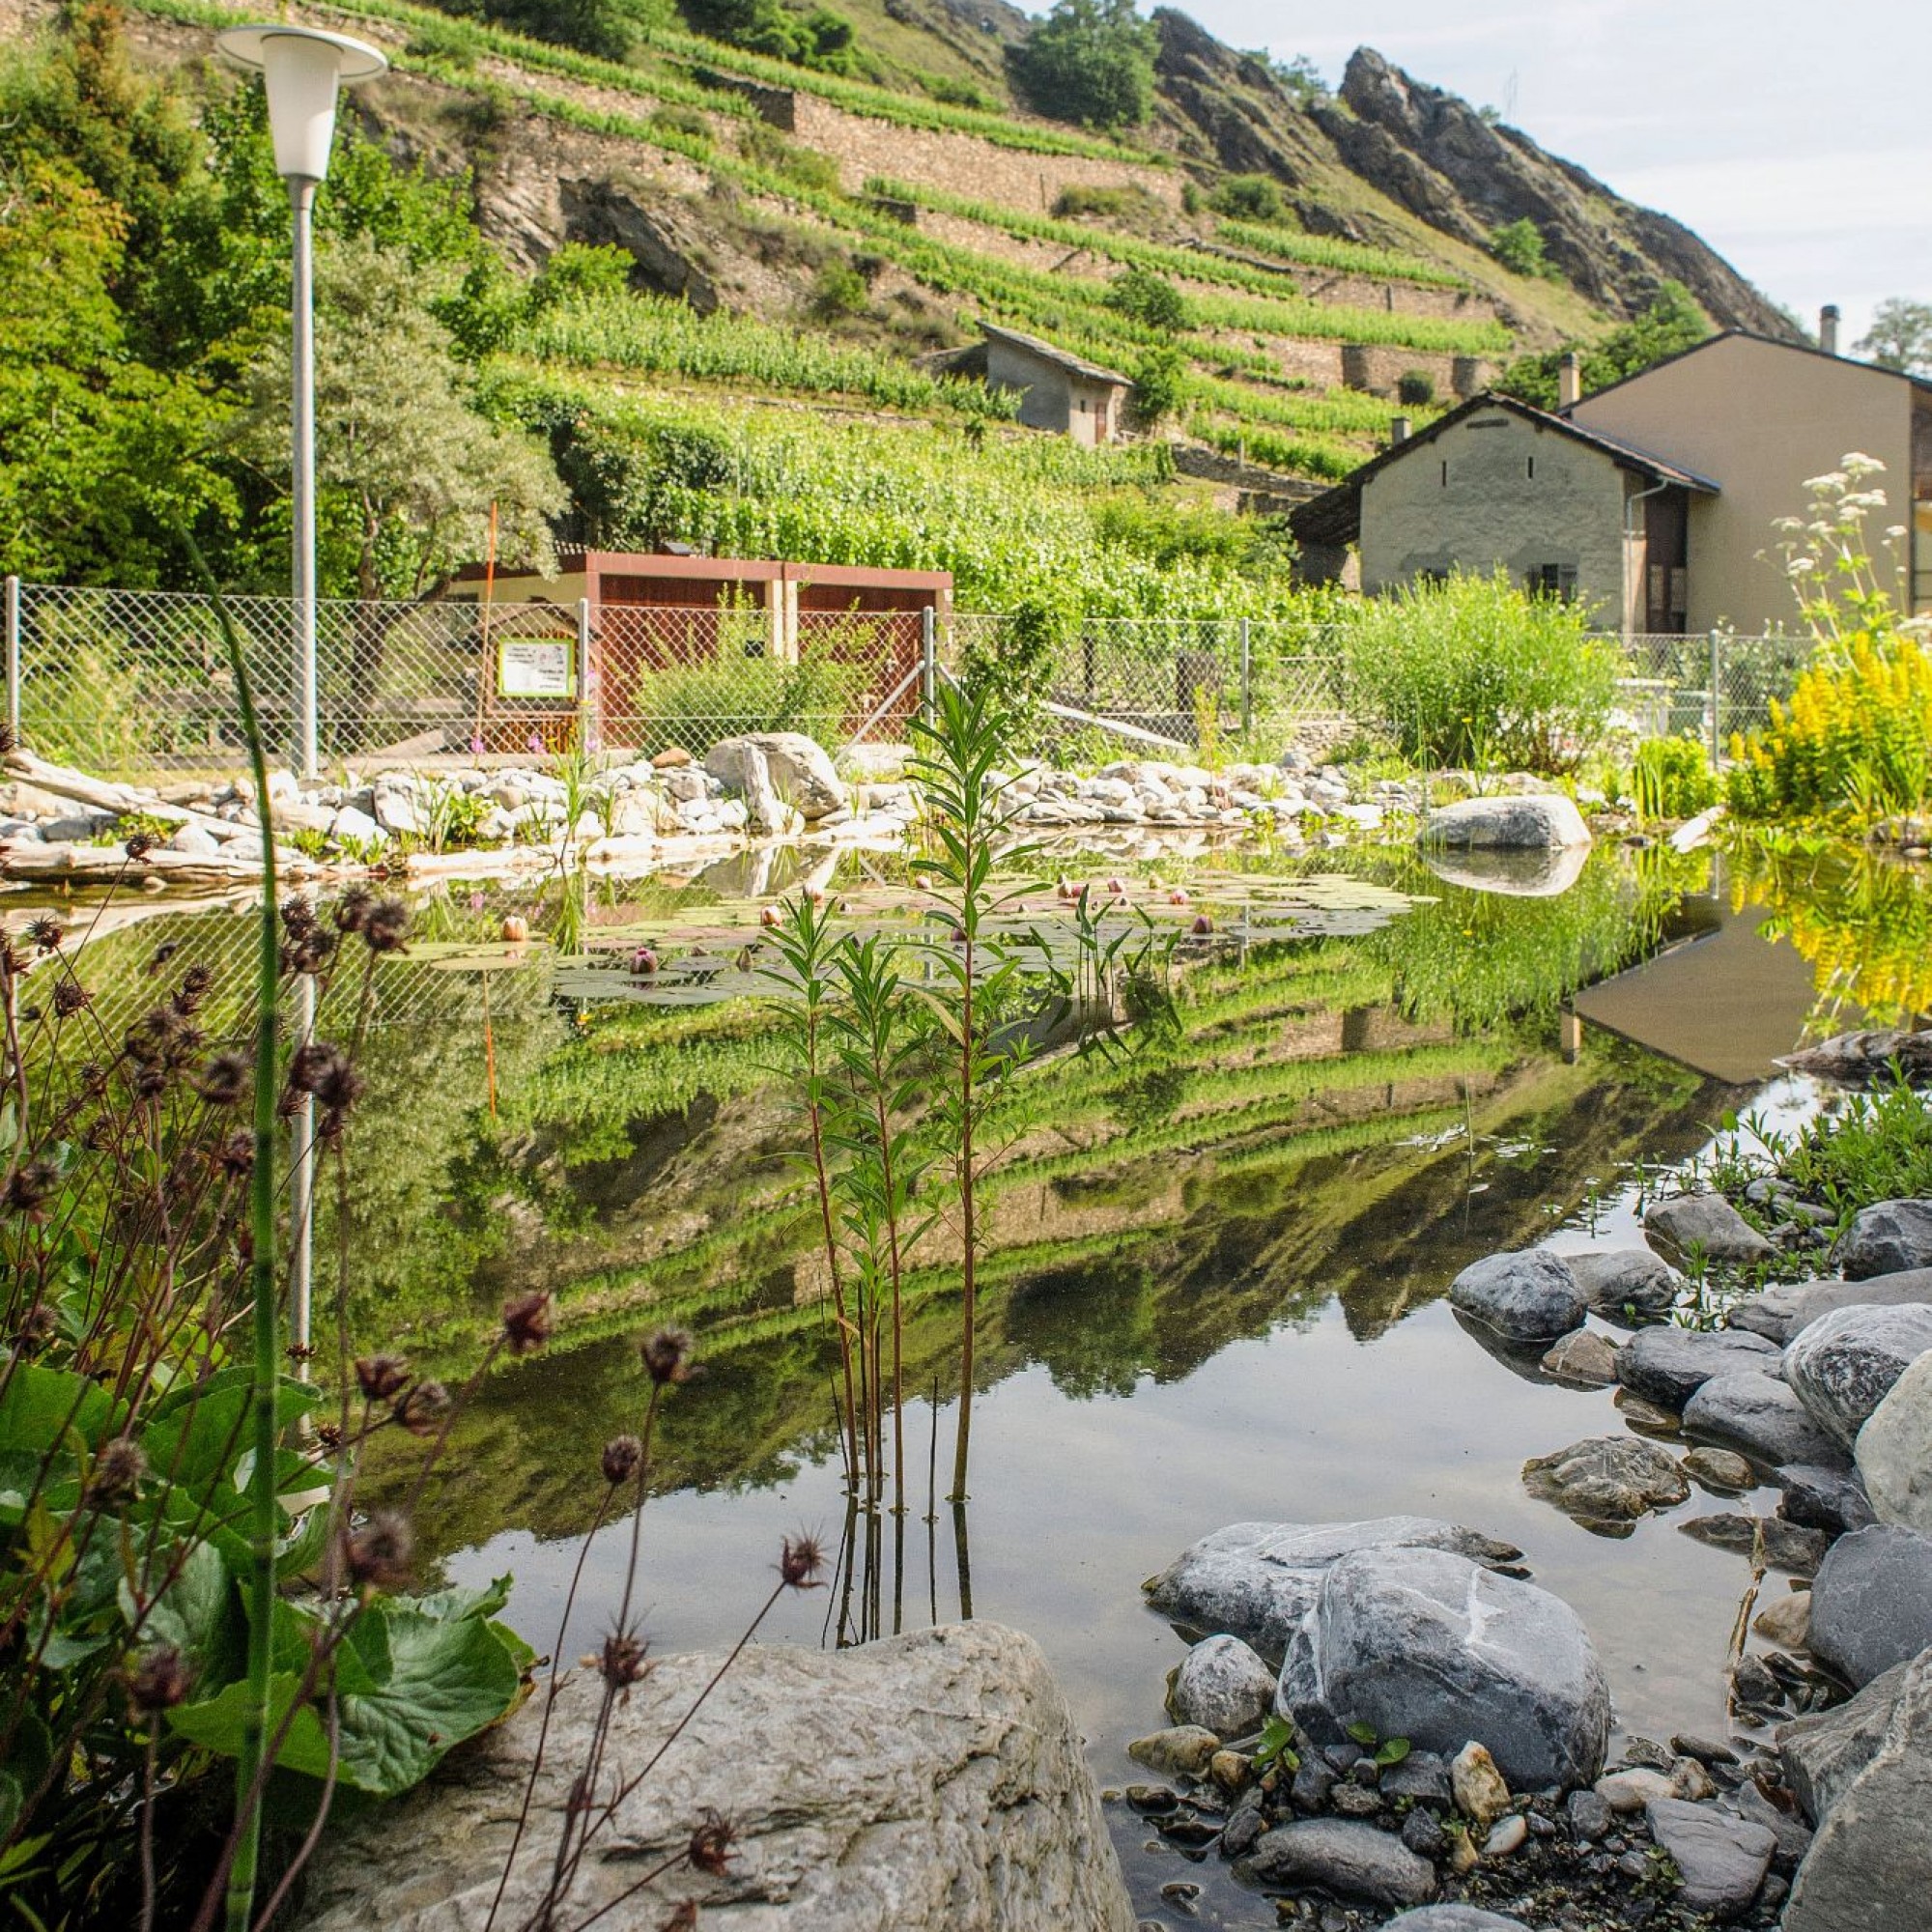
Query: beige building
(1057, 390)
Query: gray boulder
(1823, 1754)
(1544, 873)
(1709, 1225)
(1825, 1495)
(1894, 1451)
(1505, 824)
(1529, 1296)
(1670, 1365)
(1871, 1601)
(1760, 1417)
(354, 823)
(1608, 1481)
(1720, 1858)
(1870, 1866)
(1781, 1311)
(1453, 1918)
(1584, 1358)
(1845, 1363)
(800, 769)
(1425, 1644)
(1344, 1856)
(1887, 1238)
(1622, 1280)
(1256, 1580)
(1222, 1685)
(935, 1780)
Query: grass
(1321, 251)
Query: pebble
(1719, 1469)
(1230, 1770)
(1479, 1788)
(1423, 1833)
(1631, 1790)
(1508, 1836)
(1153, 1800)
(1786, 1621)
(1706, 1750)
(1589, 1814)
(1183, 1751)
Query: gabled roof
(1768, 342)
(1064, 358)
(1335, 517)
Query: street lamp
(302, 68)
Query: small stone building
(1058, 390)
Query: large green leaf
(199, 1613)
(43, 1410)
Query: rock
(1232, 1771)
(1453, 1918)
(1245, 1824)
(1792, 1835)
(1585, 1358)
(1706, 1224)
(1781, 1311)
(1894, 1451)
(1825, 1496)
(1786, 1545)
(1344, 1856)
(670, 758)
(1527, 1297)
(1630, 1790)
(1886, 1237)
(1589, 1815)
(1648, 1418)
(799, 768)
(1844, 1364)
(1858, 1059)
(1421, 1778)
(396, 808)
(351, 823)
(1223, 1687)
(1624, 1281)
(1870, 1866)
(1718, 1469)
(1720, 1858)
(931, 1781)
(1760, 1417)
(1256, 1580)
(1670, 1365)
(1423, 1833)
(1508, 1835)
(1786, 1620)
(195, 839)
(1313, 1784)
(1505, 824)
(1477, 1788)
(1823, 1755)
(1183, 1751)
(1424, 1644)
(1871, 1601)
(1607, 1479)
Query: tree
(1519, 246)
(1089, 62)
(1149, 299)
(1900, 336)
(1672, 324)
(1160, 385)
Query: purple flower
(476, 745)
(535, 741)
(478, 902)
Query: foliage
(790, 160)
(1298, 77)
(1013, 661)
(1415, 387)
(1472, 672)
(1900, 336)
(605, 28)
(1323, 251)
(1671, 777)
(1089, 62)
(818, 37)
(698, 703)
(839, 290)
(1249, 198)
(1149, 298)
(1672, 324)
(1160, 385)
(1519, 246)
(1864, 1149)
(1126, 204)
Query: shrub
(1249, 198)
(1473, 672)
(1519, 246)
(1125, 204)
(1160, 385)
(1672, 324)
(1415, 387)
(1671, 777)
(576, 268)
(839, 289)
(1089, 62)
(767, 147)
(1149, 298)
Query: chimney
(1400, 429)
(1827, 328)
(1569, 381)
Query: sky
(1793, 135)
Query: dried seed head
(117, 1473)
(802, 1562)
(46, 933)
(621, 1456)
(711, 1843)
(71, 997)
(377, 1552)
(227, 1079)
(667, 1355)
(140, 844)
(159, 1680)
(381, 1377)
(196, 984)
(386, 925)
(28, 1188)
(421, 1408)
(297, 916)
(528, 1322)
(352, 909)
(38, 1328)
(621, 1662)
(310, 951)
(237, 1154)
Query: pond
(1215, 1271)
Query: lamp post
(301, 69)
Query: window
(1553, 579)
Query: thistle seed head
(621, 1456)
(386, 927)
(666, 1354)
(528, 1321)
(381, 1377)
(377, 1552)
(421, 1408)
(159, 1680)
(711, 1843)
(117, 1473)
(802, 1562)
(226, 1080)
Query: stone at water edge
(1344, 1856)
(1785, 1545)
(800, 769)
(1707, 1224)
(1530, 1296)
(1624, 1279)
(1786, 1620)
(1223, 1687)
(1894, 1451)
(1886, 1237)
(1718, 1469)
(1423, 1645)
(1480, 1790)
(1760, 1417)
(1721, 1859)
(1845, 1363)
(1782, 1309)
(1585, 1358)
(1670, 1365)
(1607, 1479)
(1183, 1750)
(1823, 1754)
(935, 1782)
(1505, 824)
(1861, 1058)
(1871, 1601)
(1823, 1495)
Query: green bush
(1519, 246)
(1126, 203)
(1089, 62)
(1671, 777)
(1149, 298)
(1249, 198)
(1415, 387)
(1160, 383)
(695, 705)
(1472, 672)
(766, 147)
(839, 289)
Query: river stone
(1823, 1495)
(1344, 1856)
(1845, 1363)
(1871, 1601)
(1584, 1358)
(1670, 1365)
(1718, 1469)
(1823, 1754)
(1886, 1237)
(1760, 1417)
(1786, 1620)
(1453, 1918)
(1858, 1059)
(1607, 1479)
(1183, 1750)
(351, 823)
(1506, 824)
(1530, 1296)
(1631, 1280)
(800, 769)
(1256, 1580)
(1894, 1451)
(1707, 1223)
(1721, 1857)
(1480, 1790)
(1223, 1687)
(1780, 1312)
(1425, 1644)
(1787, 1546)
(1870, 1866)
(933, 1780)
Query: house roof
(1335, 517)
(1920, 383)
(1064, 358)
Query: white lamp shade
(302, 68)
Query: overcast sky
(1793, 135)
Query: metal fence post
(585, 714)
(1717, 696)
(1247, 682)
(928, 660)
(14, 658)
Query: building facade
(1059, 391)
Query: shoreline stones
(1518, 824)
(1606, 1481)
(1670, 1365)
(1760, 1417)
(1871, 1601)
(1844, 1364)
(1626, 1281)
(1530, 1296)
(1780, 1312)
(1894, 1451)
(1706, 1224)
(1887, 1238)
(1223, 1687)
